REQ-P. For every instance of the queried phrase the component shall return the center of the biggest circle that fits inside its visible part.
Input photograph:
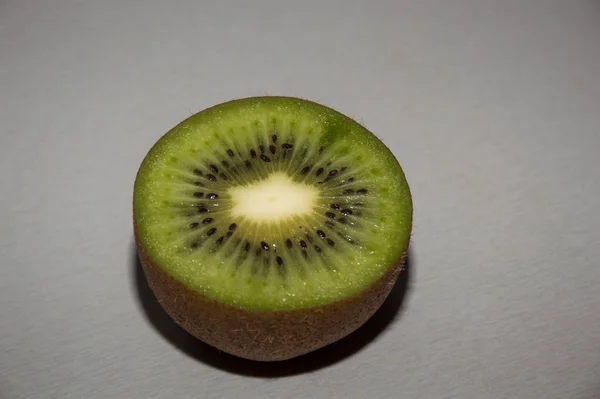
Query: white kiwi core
(273, 199)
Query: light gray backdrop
(492, 107)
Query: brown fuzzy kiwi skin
(258, 334)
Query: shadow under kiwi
(324, 357)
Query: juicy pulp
(165, 205)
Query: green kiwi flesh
(271, 205)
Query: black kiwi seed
(342, 221)
(303, 244)
(199, 184)
(211, 231)
(211, 177)
(349, 191)
(225, 163)
(198, 194)
(232, 226)
(202, 209)
(351, 179)
(198, 172)
(305, 170)
(362, 191)
(229, 233)
(274, 138)
(194, 225)
(265, 158)
(223, 176)
(247, 246)
(230, 153)
(321, 149)
(248, 164)
(253, 153)
(332, 173)
(336, 207)
(272, 148)
(288, 242)
(330, 223)
(330, 215)
(330, 242)
(220, 240)
(195, 244)
(212, 196)
(319, 171)
(344, 168)
(321, 234)
(279, 260)
(287, 146)
(207, 220)
(317, 248)
(213, 168)
(262, 149)
(264, 245)
(346, 212)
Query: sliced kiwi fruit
(269, 227)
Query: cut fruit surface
(272, 203)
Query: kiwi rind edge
(264, 335)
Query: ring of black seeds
(334, 222)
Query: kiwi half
(269, 227)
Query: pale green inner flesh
(272, 203)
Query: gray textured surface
(493, 108)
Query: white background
(492, 107)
